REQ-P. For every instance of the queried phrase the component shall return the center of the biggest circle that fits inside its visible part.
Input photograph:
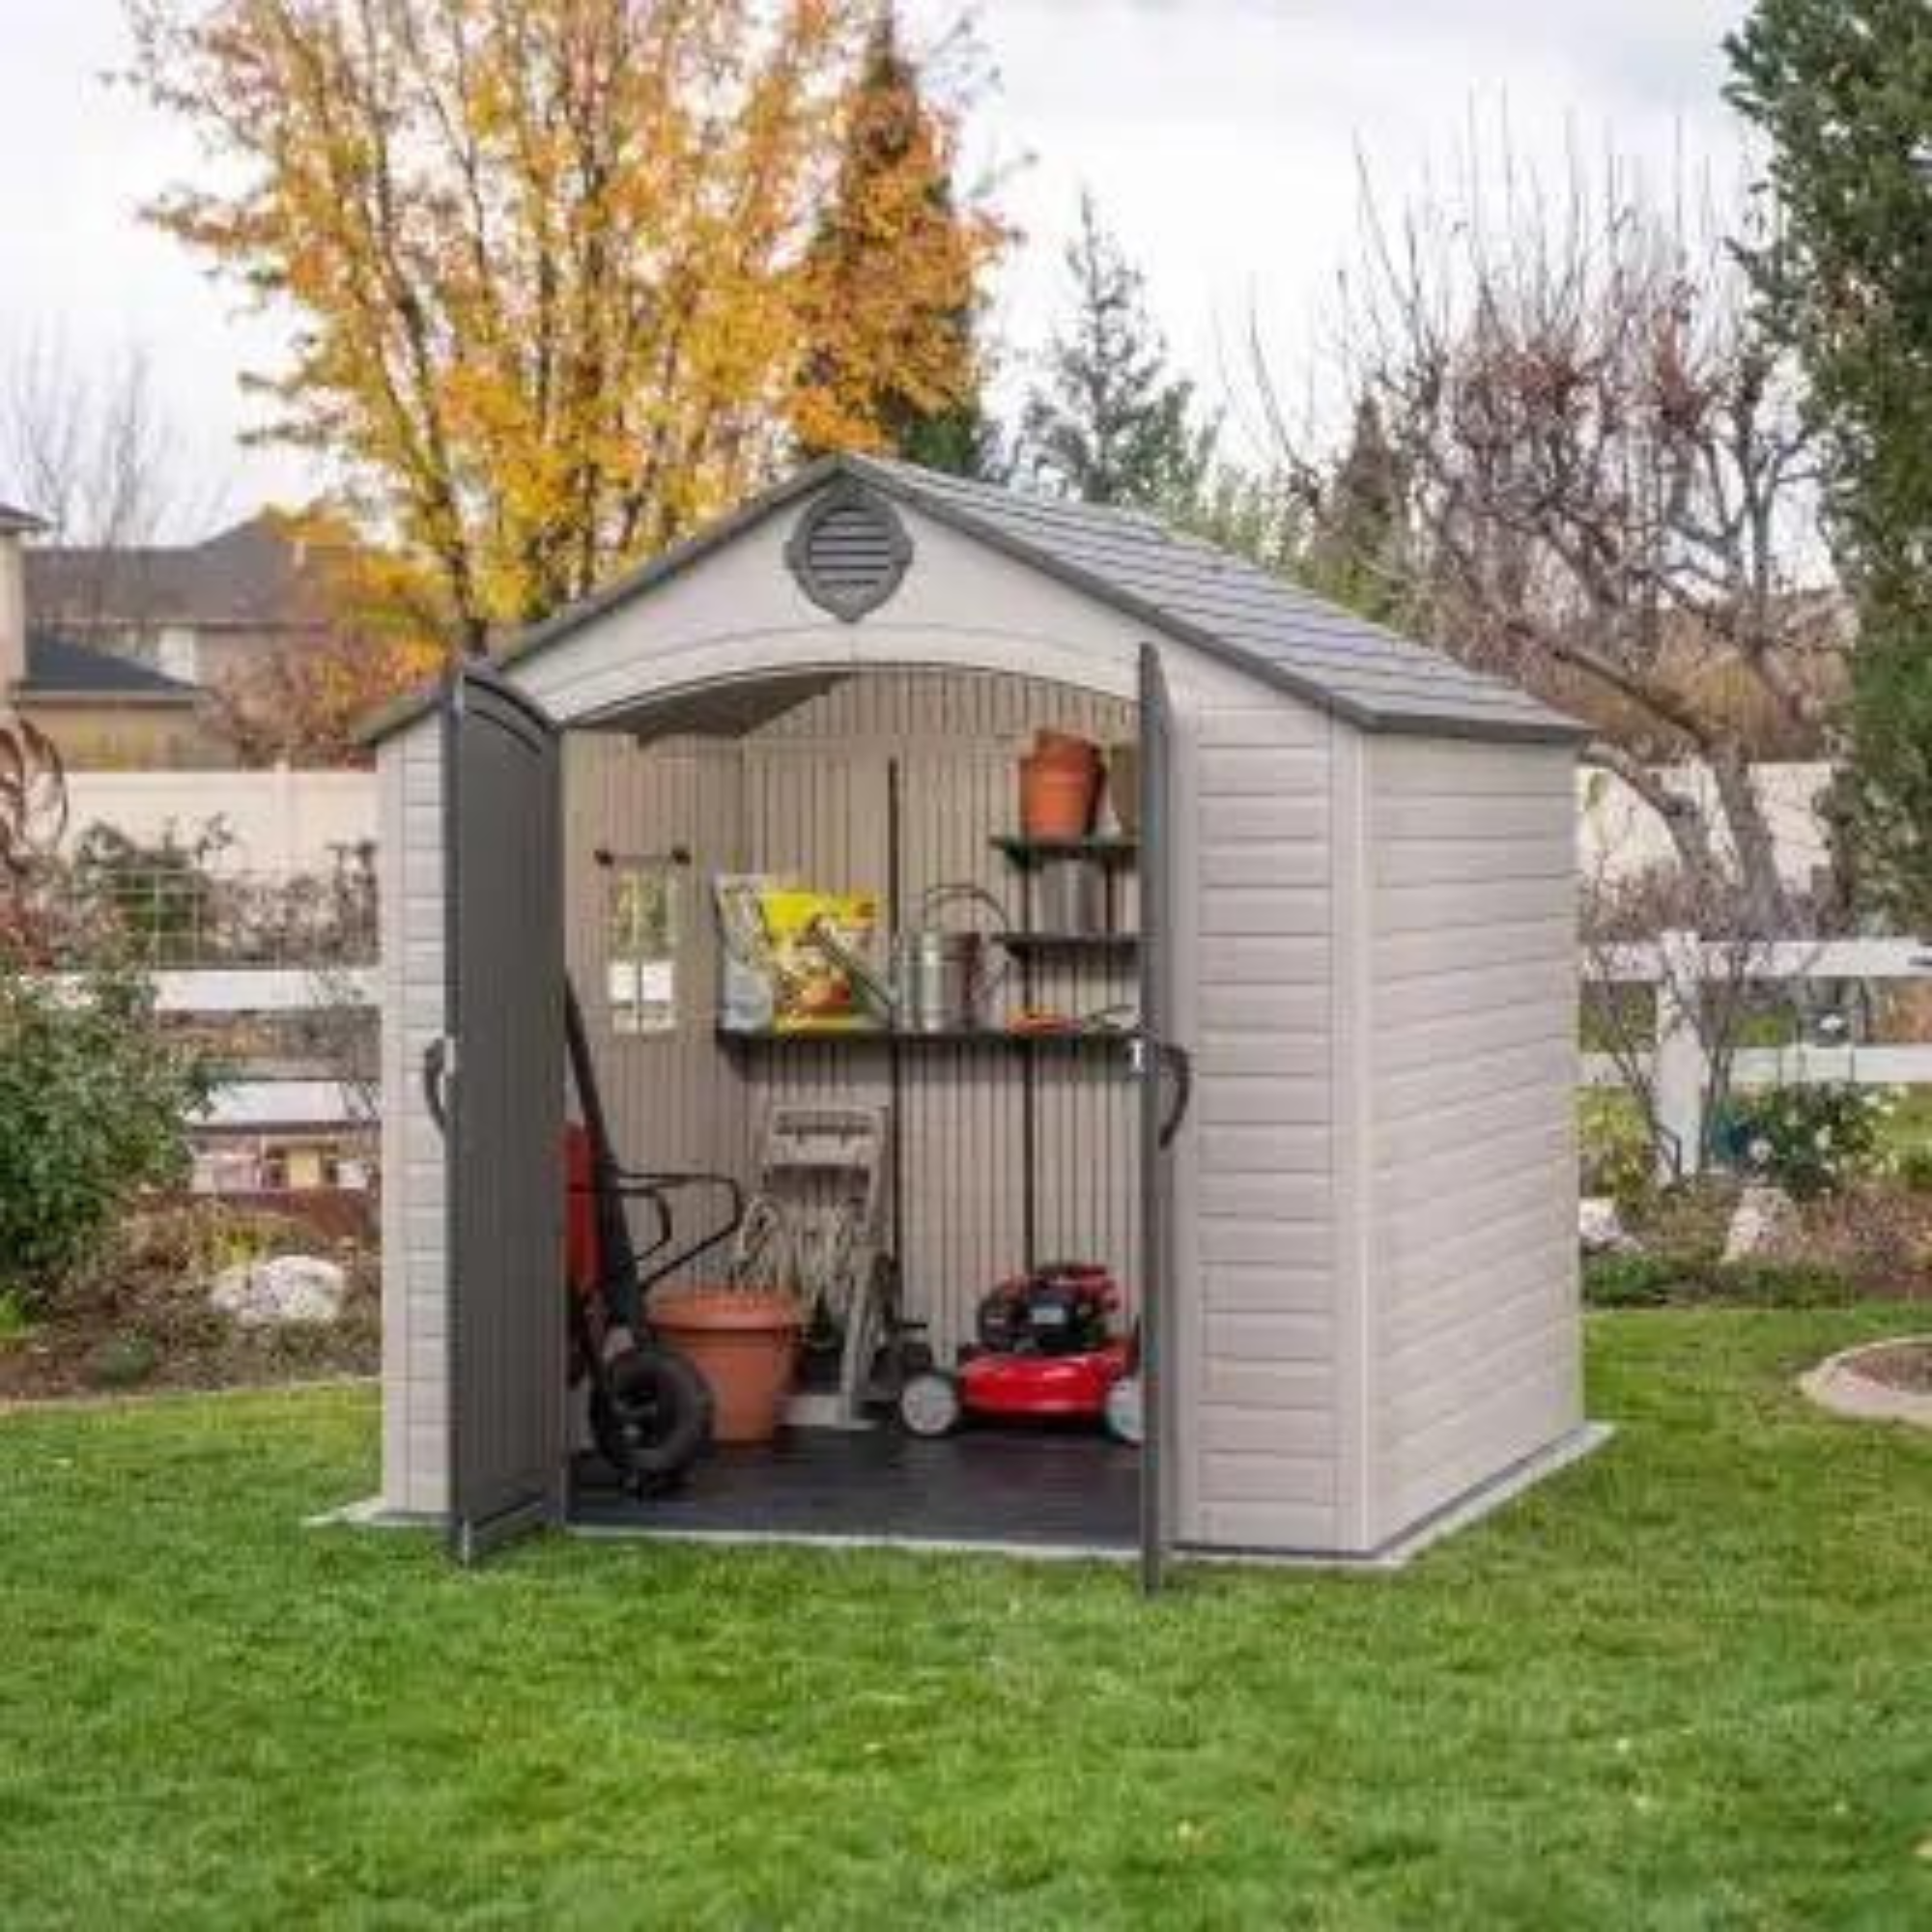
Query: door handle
(1179, 1064)
(434, 1079)
(1151, 1058)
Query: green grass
(1686, 1684)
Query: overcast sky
(1220, 136)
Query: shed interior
(1006, 1150)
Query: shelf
(1122, 945)
(1069, 1036)
(1110, 848)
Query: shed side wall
(1471, 1231)
(415, 1449)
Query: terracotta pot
(744, 1342)
(1057, 801)
(1066, 747)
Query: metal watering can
(939, 976)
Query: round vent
(849, 552)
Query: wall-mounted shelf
(1110, 848)
(1110, 945)
(872, 1036)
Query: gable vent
(849, 552)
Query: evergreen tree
(1108, 423)
(889, 291)
(1843, 91)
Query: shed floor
(1045, 1490)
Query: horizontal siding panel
(1266, 1479)
(1439, 769)
(1512, 815)
(1302, 1284)
(1263, 1526)
(1549, 935)
(1270, 1337)
(1267, 1150)
(1256, 1097)
(1241, 912)
(1260, 772)
(1443, 1084)
(1454, 906)
(1233, 1431)
(1234, 1242)
(1269, 962)
(1269, 865)
(1301, 1200)
(1482, 1112)
(1273, 819)
(1261, 1007)
(1268, 1384)
(1478, 862)
(1260, 1054)
(1250, 726)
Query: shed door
(503, 1088)
(1166, 1081)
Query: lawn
(1686, 1684)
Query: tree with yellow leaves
(547, 259)
(891, 288)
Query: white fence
(280, 823)
(1680, 965)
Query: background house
(102, 710)
(206, 614)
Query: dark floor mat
(986, 1486)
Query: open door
(1166, 1084)
(501, 1091)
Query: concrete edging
(1838, 1386)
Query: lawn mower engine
(1047, 1352)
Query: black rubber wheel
(651, 1416)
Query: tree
(545, 260)
(1843, 91)
(1108, 423)
(890, 293)
(1604, 486)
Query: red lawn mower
(1047, 1352)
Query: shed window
(643, 927)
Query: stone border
(1838, 1385)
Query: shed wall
(1470, 1234)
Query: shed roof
(1178, 584)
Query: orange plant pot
(1057, 801)
(744, 1342)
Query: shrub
(93, 1098)
(1616, 1156)
(1809, 1140)
(1628, 1281)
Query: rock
(1600, 1228)
(288, 1290)
(1761, 1223)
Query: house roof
(18, 522)
(60, 668)
(249, 576)
(1188, 589)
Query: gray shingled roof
(1175, 584)
(1235, 609)
(60, 668)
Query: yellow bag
(811, 992)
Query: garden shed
(1321, 1125)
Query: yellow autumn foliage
(548, 262)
